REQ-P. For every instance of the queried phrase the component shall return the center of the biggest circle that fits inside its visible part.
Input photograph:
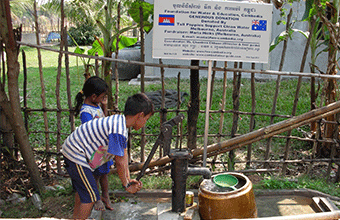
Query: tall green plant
(285, 35)
(103, 13)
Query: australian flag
(259, 25)
(168, 20)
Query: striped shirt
(86, 145)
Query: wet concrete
(156, 205)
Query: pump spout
(197, 171)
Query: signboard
(212, 30)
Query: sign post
(212, 30)
(207, 108)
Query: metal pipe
(179, 170)
(204, 171)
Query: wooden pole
(276, 94)
(287, 146)
(57, 90)
(252, 117)
(68, 85)
(142, 74)
(220, 128)
(163, 110)
(25, 89)
(207, 108)
(115, 106)
(236, 106)
(42, 85)
(179, 102)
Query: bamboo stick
(96, 67)
(220, 128)
(276, 94)
(253, 106)
(287, 146)
(333, 147)
(223, 101)
(42, 85)
(253, 136)
(163, 110)
(24, 87)
(115, 105)
(3, 63)
(57, 90)
(68, 87)
(142, 74)
(266, 72)
(266, 134)
(212, 83)
(236, 105)
(285, 43)
(294, 161)
(179, 102)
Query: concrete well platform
(156, 205)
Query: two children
(98, 141)
(91, 103)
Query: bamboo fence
(232, 140)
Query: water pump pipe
(179, 174)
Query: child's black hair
(138, 103)
(93, 85)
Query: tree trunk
(12, 108)
(194, 105)
(331, 84)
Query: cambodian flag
(259, 25)
(166, 20)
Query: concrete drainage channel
(156, 205)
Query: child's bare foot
(99, 206)
(107, 203)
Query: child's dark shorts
(103, 169)
(82, 181)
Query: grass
(303, 182)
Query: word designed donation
(212, 30)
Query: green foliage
(134, 12)
(149, 182)
(83, 34)
(123, 42)
(155, 182)
(303, 182)
(284, 36)
(275, 183)
(308, 10)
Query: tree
(11, 104)
(103, 13)
(332, 26)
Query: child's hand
(135, 186)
